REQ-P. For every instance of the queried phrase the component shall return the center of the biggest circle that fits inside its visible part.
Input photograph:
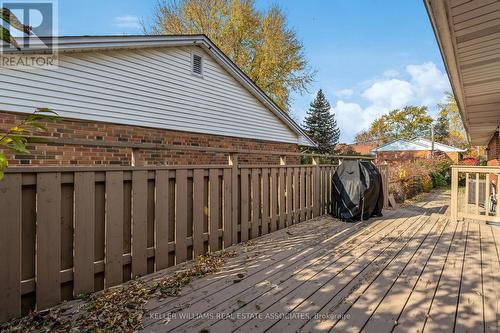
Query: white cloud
(391, 93)
(348, 116)
(422, 84)
(343, 93)
(429, 83)
(128, 21)
(352, 118)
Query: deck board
(299, 284)
(411, 270)
(387, 312)
(283, 262)
(441, 317)
(413, 314)
(491, 280)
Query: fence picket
(161, 219)
(10, 246)
(244, 205)
(213, 236)
(281, 194)
(198, 211)
(255, 202)
(139, 223)
(296, 195)
(84, 233)
(476, 200)
(308, 194)
(48, 267)
(274, 199)
(235, 200)
(181, 216)
(316, 190)
(265, 201)
(289, 197)
(227, 204)
(113, 265)
(302, 194)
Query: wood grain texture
(244, 204)
(10, 246)
(181, 216)
(255, 202)
(213, 235)
(289, 196)
(274, 199)
(266, 191)
(282, 198)
(48, 277)
(227, 225)
(113, 262)
(139, 222)
(161, 219)
(84, 232)
(198, 211)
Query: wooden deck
(411, 271)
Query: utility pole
(432, 140)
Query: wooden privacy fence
(66, 231)
(475, 193)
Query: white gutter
(438, 15)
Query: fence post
(454, 193)
(384, 171)
(316, 184)
(233, 161)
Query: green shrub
(439, 179)
(411, 177)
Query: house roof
(439, 146)
(468, 36)
(363, 149)
(417, 144)
(98, 43)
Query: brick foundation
(75, 142)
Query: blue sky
(371, 56)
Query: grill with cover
(357, 191)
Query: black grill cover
(357, 191)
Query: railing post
(233, 161)
(454, 193)
(316, 188)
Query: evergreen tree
(321, 126)
(442, 127)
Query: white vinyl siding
(150, 87)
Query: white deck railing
(474, 193)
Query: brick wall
(75, 142)
(494, 150)
(407, 156)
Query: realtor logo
(27, 31)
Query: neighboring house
(355, 148)
(402, 149)
(137, 98)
